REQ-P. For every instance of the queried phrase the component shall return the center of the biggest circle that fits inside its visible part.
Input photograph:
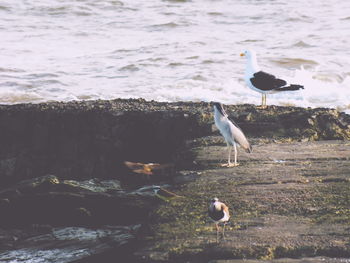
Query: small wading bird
(231, 132)
(219, 213)
(261, 81)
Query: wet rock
(72, 244)
(289, 198)
(48, 200)
(88, 139)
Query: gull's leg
(263, 102)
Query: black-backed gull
(263, 82)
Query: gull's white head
(249, 54)
(252, 64)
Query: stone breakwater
(66, 191)
(92, 139)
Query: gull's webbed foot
(262, 107)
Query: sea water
(173, 50)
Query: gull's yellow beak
(242, 55)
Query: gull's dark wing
(265, 81)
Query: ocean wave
(8, 84)
(51, 10)
(328, 77)
(171, 50)
(192, 57)
(301, 43)
(298, 17)
(321, 92)
(215, 14)
(124, 50)
(130, 67)
(294, 62)
(19, 97)
(39, 76)
(199, 77)
(12, 70)
(166, 25)
(175, 64)
(4, 8)
(83, 13)
(177, 1)
(250, 41)
(208, 61)
(46, 82)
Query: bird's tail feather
(291, 87)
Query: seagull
(219, 213)
(263, 82)
(231, 132)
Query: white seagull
(219, 213)
(231, 132)
(263, 82)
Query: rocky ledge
(67, 195)
(84, 140)
(287, 200)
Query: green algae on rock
(287, 200)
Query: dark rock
(72, 244)
(87, 139)
(82, 140)
(48, 200)
(285, 260)
(287, 200)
